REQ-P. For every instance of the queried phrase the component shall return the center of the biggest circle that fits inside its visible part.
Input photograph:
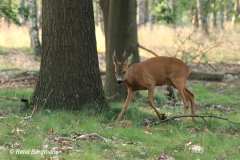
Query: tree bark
(202, 16)
(104, 4)
(174, 9)
(23, 21)
(117, 35)
(213, 20)
(143, 12)
(69, 74)
(222, 15)
(152, 22)
(33, 28)
(40, 14)
(7, 19)
(132, 32)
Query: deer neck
(129, 77)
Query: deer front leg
(128, 100)
(150, 95)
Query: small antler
(115, 61)
(123, 56)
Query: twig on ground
(92, 136)
(200, 116)
(28, 117)
(105, 141)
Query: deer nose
(119, 81)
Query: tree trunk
(174, 9)
(146, 15)
(235, 8)
(22, 4)
(140, 13)
(104, 4)
(117, 35)
(33, 28)
(202, 16)
(69, 74)
(8, 19)
(152, 22)
(213, 16)
(132, 32)
(222, 19)
(238, 10)
(143, 12)
(40, 14)
(194, 13)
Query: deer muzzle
(119, 81)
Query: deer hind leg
(128, 100)
(150, 95)
(179, 85)
(192, 101)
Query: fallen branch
(195, 115)
(92, 136)
(28, 117)
(139, 46)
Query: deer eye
(124, 71)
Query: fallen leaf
(18, 131)
(207, 130)
(194, 148)
(147, 133)
(124, 123)
(165, 156)
(1, 114)
(51, 132)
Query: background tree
(116, 41)
(22, 5)
(143, 12)
(121, 37)
(104, 4)
(11, 13)
(69, 73)
(132, 39)
(33, 28)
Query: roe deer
(156, 71)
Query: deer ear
(115, 61)
(129, 60)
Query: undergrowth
(132, 138)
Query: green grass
(227, 96)
(22, 50)
(216, 137)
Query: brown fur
(156, 71)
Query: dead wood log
(216, 76)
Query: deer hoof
(164, 116)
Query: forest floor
(84, 136)
(24, 71)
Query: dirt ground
(26, 77)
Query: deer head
(121, 67)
